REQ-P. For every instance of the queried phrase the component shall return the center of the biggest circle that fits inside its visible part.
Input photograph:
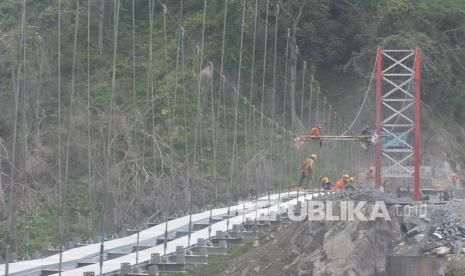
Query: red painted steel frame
(379, 81)
(416, 176)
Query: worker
(369, 176)
(307, 167)
(454, 178)
(326, 184)
(349, 182)
(341, 183)
(315, 134)
(381, 189)
(366, 134)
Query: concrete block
(153, 270)
(171, 267)
(200, 242)
(220, 235)
(155, 258)
(125, 268)
(180, 255)
(197, 259)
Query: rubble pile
(447, 234)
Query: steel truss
(398, 115)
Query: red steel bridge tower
(398, 117)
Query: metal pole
(379, 114)
(416, 176)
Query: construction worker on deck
(326, 184)
(307, 167)
(349, 184)
(341, 183)
(315, 134)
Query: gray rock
(414, 231)
(255, 243)
(418, 238)
(441, 251)
(456, 247)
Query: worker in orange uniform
(307, 167)
(315, 134)
(341, 183)
(454, 178)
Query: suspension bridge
(199, 118)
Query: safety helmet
(313, 156)
(345, 176)
(372, 169)
(351, 179)
(325, 179)
(318, 125)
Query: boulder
(414, 231)
(418, 238)
(255, 243)
(441, 251)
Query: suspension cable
(363, 102)
(304, 72)
(236, 107)
(89, 176)
(70, 114)
(25, 135)
(274, 88)
(59, 140)
(110, 135)
(264, 74)
(137, 181)
(252, 75)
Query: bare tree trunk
(100, 25)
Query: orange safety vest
(340, 184)
(315, 132)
